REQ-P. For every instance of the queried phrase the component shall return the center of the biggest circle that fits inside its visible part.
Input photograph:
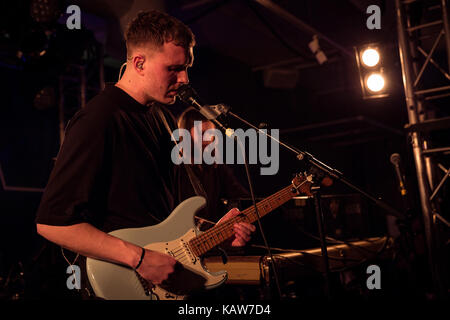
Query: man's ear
(138, 63)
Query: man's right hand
(91, 242)
(156, 267)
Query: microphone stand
(230, 134)
(302, 155)
(269, 251)
(185, 94)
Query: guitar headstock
(302, 183)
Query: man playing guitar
(114, 169)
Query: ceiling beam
(299, 24)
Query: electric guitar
(179, 237)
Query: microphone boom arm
(303, 155)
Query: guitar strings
(249, 211)
(200, 241)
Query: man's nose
(183, 77)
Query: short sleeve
(70, 195)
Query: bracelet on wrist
(140, 260)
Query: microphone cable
(250, 184)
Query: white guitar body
(115, 282)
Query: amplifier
(256, 270)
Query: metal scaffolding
(77, 85)
(423, 98)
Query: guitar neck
(223, 231)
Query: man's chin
(170, 100)
(167, 99)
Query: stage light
(370, 57)
(372, 76)
(375, 82)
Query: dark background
(318, 108)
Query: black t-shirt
(114, 169)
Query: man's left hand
(242, 230)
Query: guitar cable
(250, 184)
(71, 264)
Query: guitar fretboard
(221, 232)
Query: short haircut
(156, 28)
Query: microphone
(214, 113)
(395, 160)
